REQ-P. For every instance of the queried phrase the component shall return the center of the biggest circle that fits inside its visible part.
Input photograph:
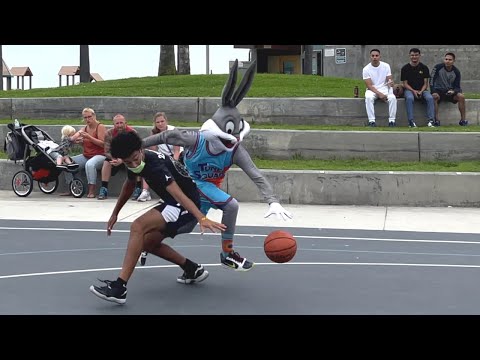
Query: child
(60, 153)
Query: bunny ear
(245, 84)
(230, 85)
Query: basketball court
(47, 267)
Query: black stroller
(39, 165)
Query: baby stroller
(39, 165)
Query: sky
(110, 61)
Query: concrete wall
(325, 187)
(317, 144)
(319, 111)
(357, 56)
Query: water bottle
(355, 91)
(17, 124)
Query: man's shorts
(179, 220)
(444, 97)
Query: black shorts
(179, 220)
(444, 97)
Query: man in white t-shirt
(378, 79)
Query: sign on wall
(340, 56)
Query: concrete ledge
(327, 187)
(407, 145)
(321, 111)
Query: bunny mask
(227, 127)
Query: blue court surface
(47, 267)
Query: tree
(1, 68)
(84, 64)
(166, 65)
(183, 59)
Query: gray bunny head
(227, 123)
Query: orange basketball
(280, 246)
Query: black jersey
(160, 170)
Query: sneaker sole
(111, 299)
(191, 281)
(237, 269)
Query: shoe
(392, 124)
(144, 196)
(431, 124)
(136, 193)
(143, 258)
(103, 193)
(372, 124)
(463, 123)
(200, 274)
(412, 124)
(234, 261)
(110, 292)
(436, 123)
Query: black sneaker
(200, 274)
(234, 261)
(110, 292)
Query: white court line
(256, 264)
(264, 235)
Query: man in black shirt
(179, 213)
(415, 76)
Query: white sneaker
(144, 196)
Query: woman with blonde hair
(91, 160)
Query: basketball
(280, 246)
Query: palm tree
(166, 64)
(84, 64)
(183, 59)
(1, 68)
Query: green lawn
(264, 85)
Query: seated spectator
(91, 160)
(61, 152)
(378, 79)
(110, 165)
(445, 86)
(415, 76)
(160, 124)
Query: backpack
(14, 145)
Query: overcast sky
(110, 61)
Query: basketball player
(179, 213)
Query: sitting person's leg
(430, 111)
(106, 174)
(145, 195)
(91, 167)
(460, 98)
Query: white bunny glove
(276, 208)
